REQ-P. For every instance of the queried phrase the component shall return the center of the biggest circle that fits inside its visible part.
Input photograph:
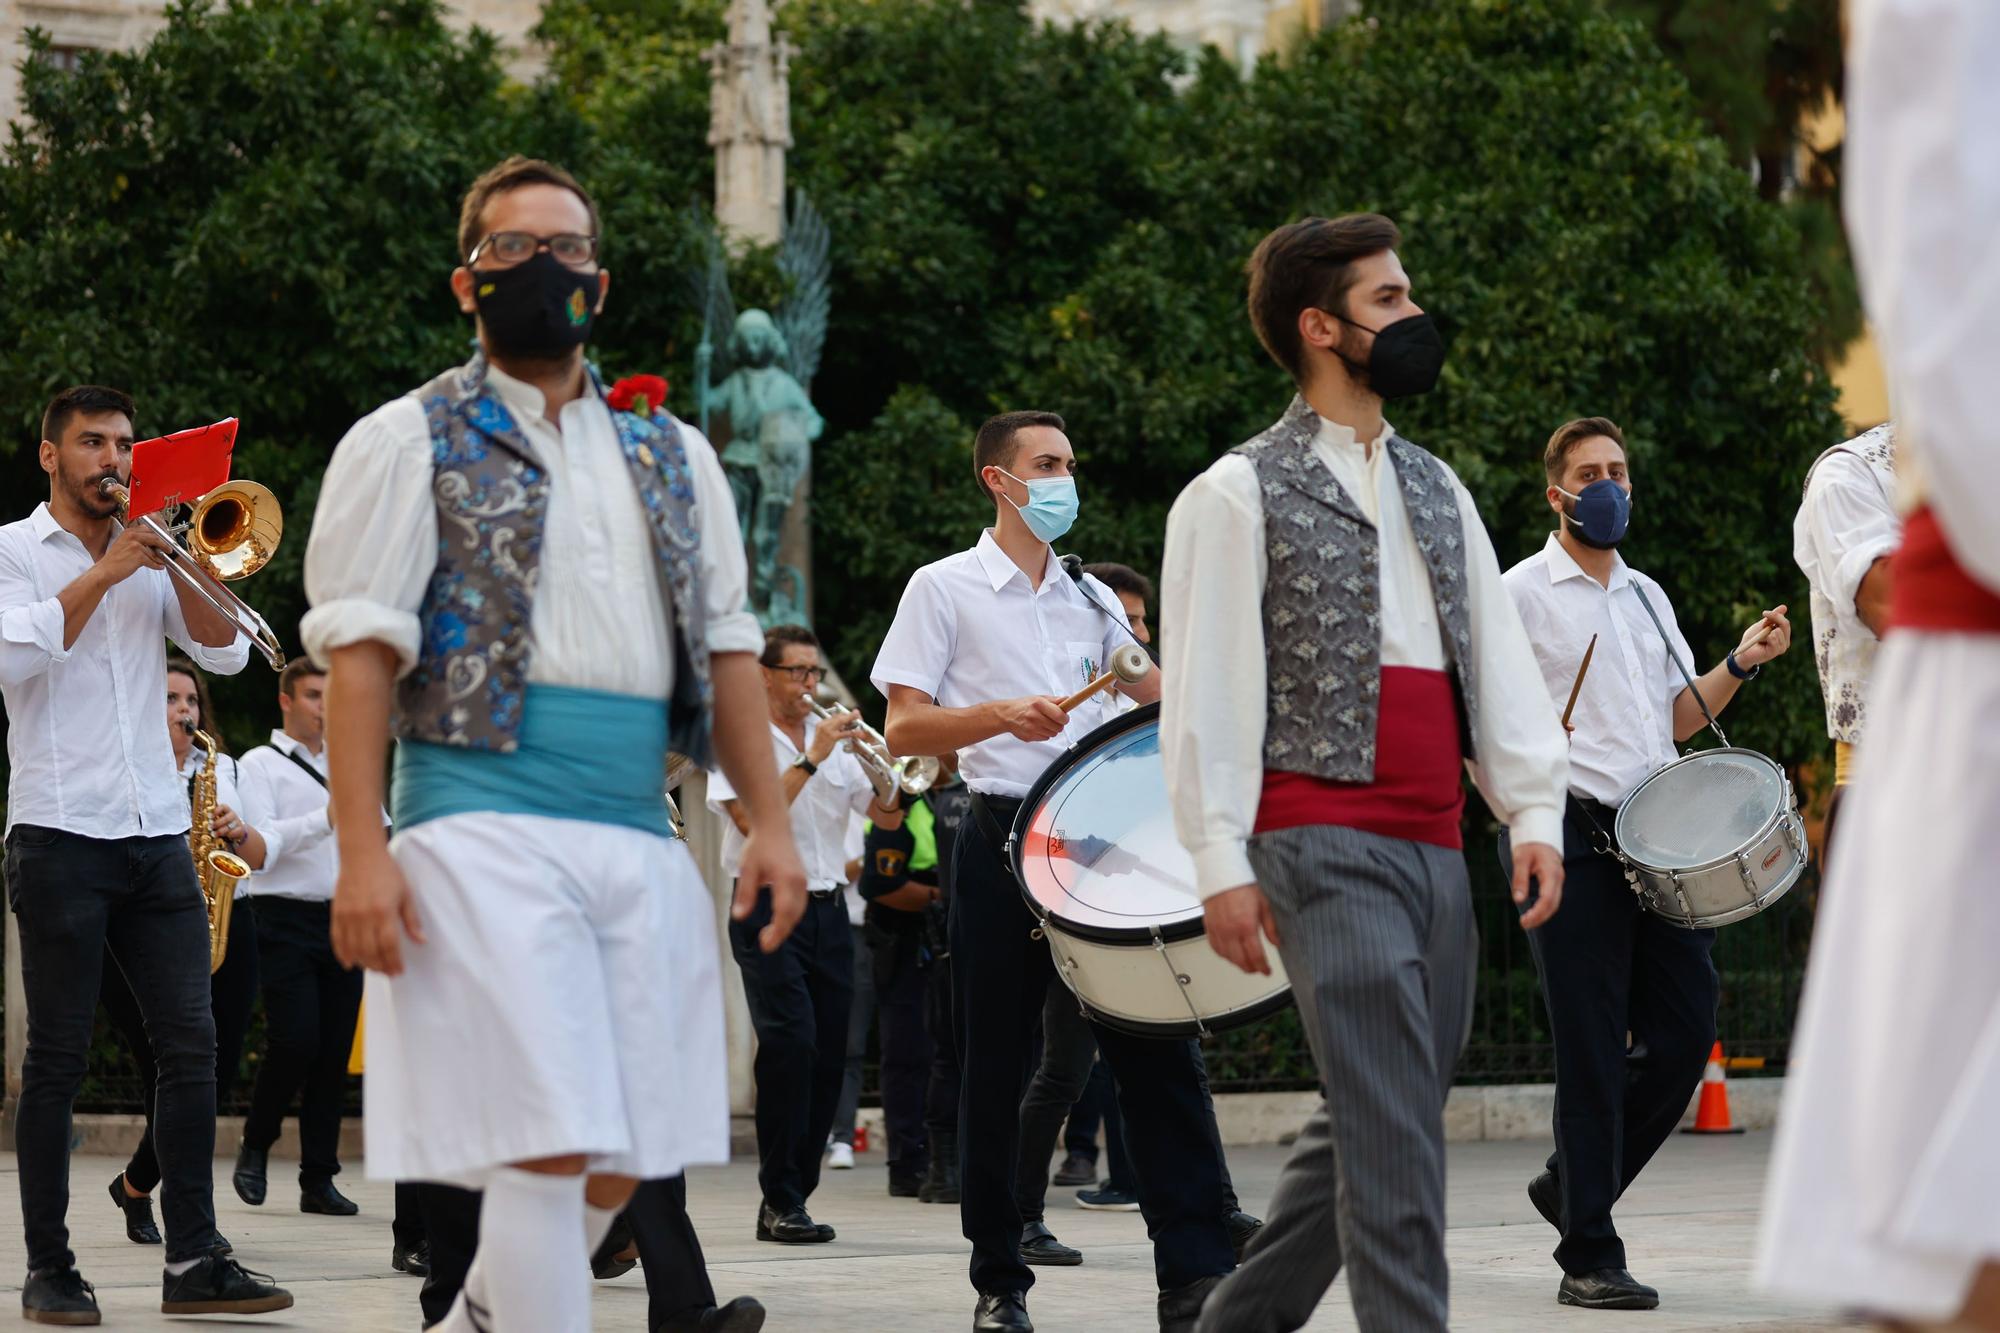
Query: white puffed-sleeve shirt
(600, 618)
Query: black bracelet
(1739, 672)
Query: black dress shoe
(1039, 1246)
(617, 1254)
(59, 1296)
(412, 1259)
(322, 1197)
(216, 1285)
(1545, 1192)
(906, 1184)
(140, 1228)
(791, 1227)
(1239, 1226)
(1606, 1289)
(1001, 1312)
(1181, 1307)
(1076, 1169)
(251, 1175)
(742, 1315)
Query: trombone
(914, 774)
(231, 534)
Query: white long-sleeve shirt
(599, 619)
(1847, 522)
(87, 744)
(290, 809)
(1922, 204)
(1213, 667)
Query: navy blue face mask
(1600, 515)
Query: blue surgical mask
(1600, 514)
(1051, 507)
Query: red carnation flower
(644, 394)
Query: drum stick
(1577, 688)
(1129, 664)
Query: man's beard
(88, 493)
(1357, 365)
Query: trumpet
(914, 774)
(231, 534)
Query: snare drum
(1096, 855)
(1713, 837)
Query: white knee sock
(596, 1226)
(532, 1272)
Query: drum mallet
(1577, 688)
(1128, 664)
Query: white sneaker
(839, 1157)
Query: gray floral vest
(470, 681)
(1323, 599)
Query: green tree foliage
(253, 215)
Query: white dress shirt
(1214, 705)
(87, 744)
(821, 813)
(970, 630)
(600, 620)
(227, 792)
(1624, 718)
(287, 803)
(1847, 523)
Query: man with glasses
(799, 993)
(478, 545)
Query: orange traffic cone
(1711, 1116)
(861, 1138)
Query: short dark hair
(1555, 459)
(780, 637)
(81, 400)
(1309, 264)
(1121, 578)
(180, 666)
(512, 174)
(288, 679)
(994, 445)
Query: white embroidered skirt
(568, 999)
(1884, 1193)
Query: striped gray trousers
(1377, 935)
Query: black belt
(995, 816)
(1602, 820)
(821, 895)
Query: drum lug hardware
(1743, 869)
(1038, 934)
(1181, 981)
(1687, 908)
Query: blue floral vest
(470, 681)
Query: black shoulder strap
(304, 767)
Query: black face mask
(1405, 359)
(536, 310)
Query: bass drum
(1096, 855)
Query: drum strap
(1679, 666)
(988, 819)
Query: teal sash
(583, 754)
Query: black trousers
(1087, 1116)
(72, 897)
(1608, 968)
(941, 1092)
(232, 992)
(900, 992)
(310, 1002)
(1002, 977)
(677, 1284)
(798, 999)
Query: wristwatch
(808, 765)
(1739, 672)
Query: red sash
(1930, 590)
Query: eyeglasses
(508, 248)
(799, 673)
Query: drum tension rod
(1181, 980)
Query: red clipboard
(180, 468)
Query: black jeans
(72, 896)
(899, 983)
(1002, 976)
(1069, 1049)
(798, 1000)
(232, 990)
(1609, 967)
(1087, 1116)
(941, 1094)
(310, 1001)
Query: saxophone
(219, 870)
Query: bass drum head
(1094, 844)
(1700, 809)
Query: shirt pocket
(1078, 662)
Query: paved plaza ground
(899, 1265)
